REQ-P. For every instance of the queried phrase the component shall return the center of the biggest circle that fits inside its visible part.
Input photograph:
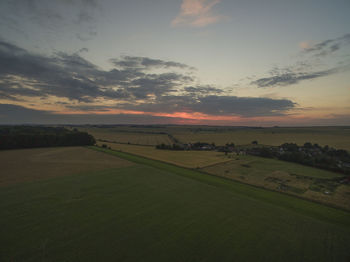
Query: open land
(303, 181)
(190, 159)
(338, 137)
(41, 163)
(310, 183)
(128, 136)
(153, 211)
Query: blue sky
(247, 62)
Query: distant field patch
(33, 164)
(123, 136)
(312, 183)
(190, 159)
(334, 137)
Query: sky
(197, 62)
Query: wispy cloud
(326, 47)
(146, 63)
(290, 78)
(315, 62)
(197, 13)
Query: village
(309, 154)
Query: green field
(152, 211)
(303, 181)
(286, 177)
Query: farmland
(133, 136)
(189, 159)
(291, 178)
(41, 163)
(311, 183)
(338, 137)
(295, 179)
(153, 211)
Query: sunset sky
(212, 62)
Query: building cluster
(325, 157)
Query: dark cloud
(217, 105)
(290, 78)
(17, 89)
(309, 67)
(243, 106)
(62, 75)
(328, 46)
(13, 114)
(6, 96)
(156, 84)
(294, 75)
(72, 77)
(75, 78)
(145, 63)
(202, 90)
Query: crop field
(338, 137)
(124, 136)
(335, 137)
(151, 211)
(42, 163)
(189, 159)
(304, 181)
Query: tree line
(14, 137)
(309, 154)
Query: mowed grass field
(338, 137)
(308, 182)
(152, 211)
(127, 136)
(189, 159)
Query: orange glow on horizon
(201, 118)
(183, 115)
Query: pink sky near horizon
(201, 118)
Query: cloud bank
(131, 87)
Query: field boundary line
(123, 143)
